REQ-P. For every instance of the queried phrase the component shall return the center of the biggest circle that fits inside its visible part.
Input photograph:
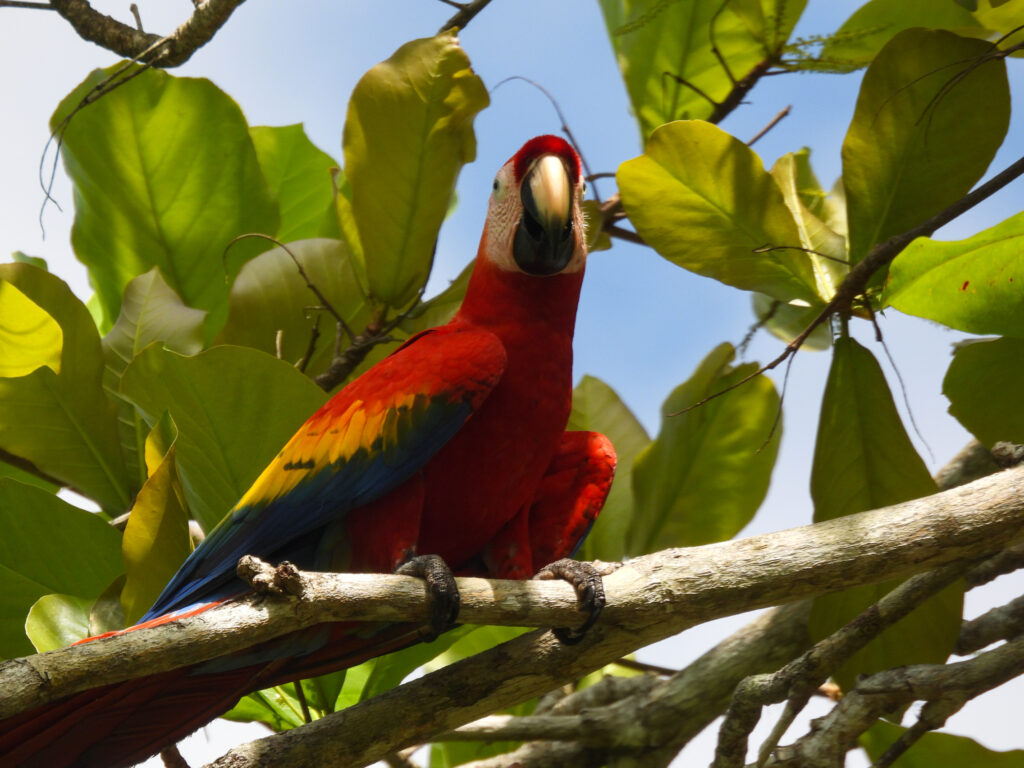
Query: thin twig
(26, 4)
(565, 126)
(771, 124)
(464, 15)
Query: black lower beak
(544, 242)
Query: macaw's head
(535, 219)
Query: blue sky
(643, 323)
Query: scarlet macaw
(454, 446)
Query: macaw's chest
(492, 467)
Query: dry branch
(650, 598)
(131, 43)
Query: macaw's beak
(544, 241)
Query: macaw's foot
(442, 593)
(589, 587)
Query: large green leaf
(150, 311)
(707, 472)
(983, 385)
(48, 546)
(270, 296)
(864, 460)
(597, 408)
(937, 750)
(63, 422)
(703, 200)
(927, 123)
(164, 174)
(408, 131)
(871, 26)
(233, 407)
(658, 41)
(299, 173)
(974, 285)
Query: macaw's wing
(366, 440)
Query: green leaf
(864, 460)
(234, 408)
(408, 132)
(973, 285)
(269, 296)
(703, 200)
(874, 24)
(597, 408)
(707, 472)
(164, 174)
(299, 173)
(55, 621)
(937, 750)
(150, 311)
(156, 540)
(63, 422)
(48, 546)
(654, 37)
(927, 123)
(983, 387)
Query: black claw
(442, 593)
(590, 599)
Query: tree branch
(1003, 622)
(131, 43)
(650, 598)
(945, 686)
(654, 597)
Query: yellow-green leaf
(55, 621)
(156, 540)
(408, 132)
(974, 285)
(29, 337)
(703, 200)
